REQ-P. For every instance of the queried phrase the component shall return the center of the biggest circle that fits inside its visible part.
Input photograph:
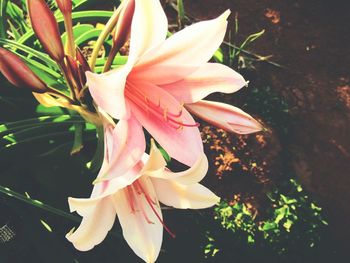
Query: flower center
(137, 206)
(156, 110)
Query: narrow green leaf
(30, 51)
(3, 6)
(180, 13)
(8, 192)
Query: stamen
(151, 204)
(146, 104)
(131, 198)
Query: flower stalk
(102, 37)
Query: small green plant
(292, 222)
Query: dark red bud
(65, 6)
(18, 73)
(46, 28)
(73, 72)
(123, 26)
(82, 60)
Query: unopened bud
(46, 28)
(73, 72)
(82, 60)
(65, 6)
(124, 24)
(18, 73)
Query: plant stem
(102, 37)
(70, 44)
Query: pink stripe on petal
(182, 143)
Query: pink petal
(149, 27)
(209, 78)
(145, 238)
(128, 147)
(184, 145)
(107, 90)
(189, 48)
(97, 221)
(194, 196)
(225, 116)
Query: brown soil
(309, 38)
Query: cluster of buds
(69, 58)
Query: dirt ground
(310, 40)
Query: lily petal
(128, 147)
(212, 77)
(155, 163)
(107, 91)
(143, 235)
(185, 144)
(149, 28)
(191, 176)
(225, 116)
(190, 47)
(194, 196)
(98, 220)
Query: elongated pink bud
(65, 6)
(224, 116)
(46, 28)
(18, 73)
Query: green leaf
(30, 51)
(8, 192)
(77, 31)
(77, 17)
(180, 13)
(165, 154)
(87, 36)
(269, 226)
(14, 31)
(3, 6)
(96, 162)
(78, 138)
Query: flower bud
(82, 60)
(46, 28)
(123, 26)
(65, 6)
(18, 73)
(73, 72)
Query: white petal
(190, 47)
(143, 237)
(194, 196)
(209, 78)
(192, 175)
(149, 27)
(99, 219)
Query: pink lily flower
(163, 75)
(134, 197)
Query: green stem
(38, 204)
(102, 37)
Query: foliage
(293, 223)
